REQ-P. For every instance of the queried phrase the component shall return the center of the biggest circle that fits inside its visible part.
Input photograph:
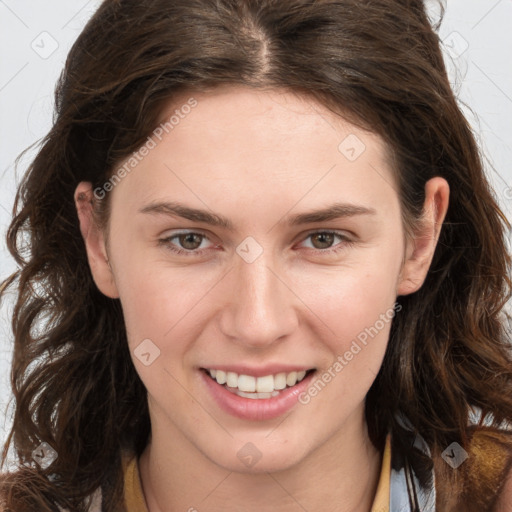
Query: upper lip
(260, 371)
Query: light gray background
(36, 36)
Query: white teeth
(221, 377)
(257, 387)
(265, 384)
(280, 381)
(246, 383)
(232, 379)
(291, 378)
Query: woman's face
(291, 257)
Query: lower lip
(256, 409)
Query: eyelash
(191, 253)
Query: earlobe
(94, 241)
(420, 249)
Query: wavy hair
(378, 64)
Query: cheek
(158, 304)
(161, 318)
(360, 323)
(351, 298)
(355, 320)
(355, 307)
(170, 306)
(140, 294)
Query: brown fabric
(484, 473)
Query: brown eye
(190, 241)
(186, 244)
(324, 240)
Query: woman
(268, 267)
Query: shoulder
(482, 478)
(489, 470)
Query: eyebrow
(331, 212)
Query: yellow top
(381, 501)
(134, 497)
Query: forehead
(270, 111)
(244, 143)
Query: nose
(259, 306)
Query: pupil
(329, 237)
(185, 239)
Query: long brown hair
(377, 63)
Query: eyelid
(347, 240)
(176, 233)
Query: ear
(94, 239)
(420, 249)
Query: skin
(258, 157)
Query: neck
(341, 475)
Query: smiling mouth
(248, 386)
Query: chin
(251, 460)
